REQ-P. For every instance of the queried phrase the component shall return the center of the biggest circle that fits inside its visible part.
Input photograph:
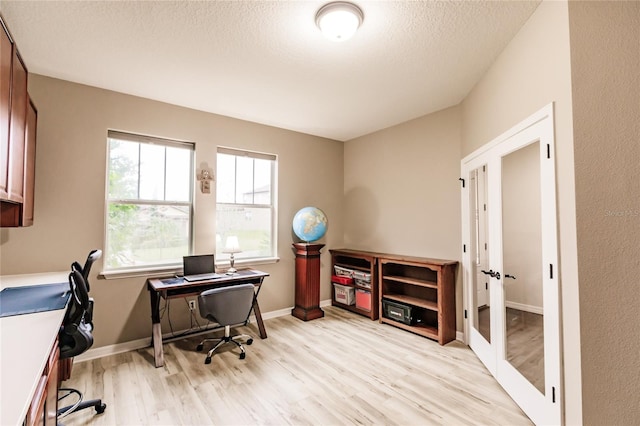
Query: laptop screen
(200, 264)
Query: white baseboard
(523, 307)
(146, 341)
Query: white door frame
(541, 408)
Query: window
(245, 200)
(149, 202)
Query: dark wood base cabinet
(44, 405)
(416, 294)
(422, 288)
(361, 267)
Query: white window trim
(151, 270)
(274, 205)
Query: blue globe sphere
(310, 224)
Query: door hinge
(461, 180)
(553, 394)
(486, 286)
(464, 248)
(465, 314)
(551, 270)
(548, 151)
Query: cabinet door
(51, 403)
(6, 51)
(29, 164)
(17, 128)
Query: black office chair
(75, 335)
(227, 306)
(92, 257)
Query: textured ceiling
(265, 61)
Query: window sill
(176, 270)
(249, 262)
(141, 272)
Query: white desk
(25, 345)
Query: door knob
(491, 273)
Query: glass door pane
(480, 251)
(522, 263)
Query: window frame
(162, 267)
(221, 257)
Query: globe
(310, 224)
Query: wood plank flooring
(342, 369)
(525, 345)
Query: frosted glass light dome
(339, 20)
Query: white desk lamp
(232, 246)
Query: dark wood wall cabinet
(18, 122)
(413, 293)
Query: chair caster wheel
(199, 348)
(101, 408)
(207, 360)
(243, 355)
(250, 341)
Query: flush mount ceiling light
(339, 20)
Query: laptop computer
(199, 267)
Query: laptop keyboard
(202, 277)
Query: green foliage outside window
(146, 232)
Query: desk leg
(256, 311)
(156, 329)
(158, 351)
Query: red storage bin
(363, 299)
(340, 279)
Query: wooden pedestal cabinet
(307, 291)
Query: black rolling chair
(75, 335)
(92, 257)
(227, 306)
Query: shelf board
(409, 300)
(369, 289)
(412, 281)
(421, 329)
(362, 287)
(352, 308)
(349, 266)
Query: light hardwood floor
(342, 369)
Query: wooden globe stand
(307, 296)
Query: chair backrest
(227, 305)
(75, 334)
(92, 257)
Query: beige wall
(533, 71)
(605, 64)
(402, 193)
(70, 182)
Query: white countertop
(25, 344)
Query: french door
(510, 266)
